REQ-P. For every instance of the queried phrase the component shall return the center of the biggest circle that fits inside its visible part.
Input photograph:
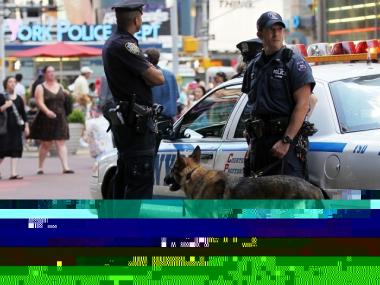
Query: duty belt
(260, 127)
(132, 114)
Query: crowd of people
(40, 119)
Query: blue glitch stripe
(117, 232)
(327, 146)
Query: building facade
(343, 20)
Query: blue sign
(147, 31)
(77, 33)
(296, 21)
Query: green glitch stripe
(353, 261)
(98, 270)
(14, 270)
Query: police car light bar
(339, 52)
(342, 58)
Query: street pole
(205, 28)
(376, 23)
(174, 32)
(2, 42)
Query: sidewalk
(53, 184)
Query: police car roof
(328, 72)
(340, 71)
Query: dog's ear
(196, 155)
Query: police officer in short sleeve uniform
(128, 72)
(279, 83)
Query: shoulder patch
(301, 65)
(132, 48)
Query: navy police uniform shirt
(265, 84)
(124, 64)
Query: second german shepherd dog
(199, 183)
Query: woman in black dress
(11, 142)
(50, 124)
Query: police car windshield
(357, 103)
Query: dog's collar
(188, 176)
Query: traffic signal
(190, 44)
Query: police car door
(231, 154)
(204, 125)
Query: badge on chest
(279, 73)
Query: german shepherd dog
(199, 183)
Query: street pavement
(51, 185)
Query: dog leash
(265, 169)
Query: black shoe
(16, 177)
(68, 171)
(40, 172)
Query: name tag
(279, 73)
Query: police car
(344, 153)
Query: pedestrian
(11, 143)
(50, 125)
(20, 89)
(31, 115)
(82, 91)
(279, 85)
(32, 112)
(198, 93)
(219, 78)
(165, 95)
(38, 81)
(99, 141)
(130, 77)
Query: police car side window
(241, 125)
(210, 116)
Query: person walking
(279, 84)
(19, 88)
(82, 91)
(165, 95)
(130, 77)
(38, 81)
(11, 143)
(50, 124)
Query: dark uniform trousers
(134, 177)
(290, 164)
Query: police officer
(249, 50)
(130, 75)
(279, 84)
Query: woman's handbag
(3, 122)
(20, 121)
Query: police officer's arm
(39, 95)
(301, 86)
(302, 100)
(129, 53)
(153, 76)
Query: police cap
(129, 5)
(250, 48)
(268, 19)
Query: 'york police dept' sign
(64, 31)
